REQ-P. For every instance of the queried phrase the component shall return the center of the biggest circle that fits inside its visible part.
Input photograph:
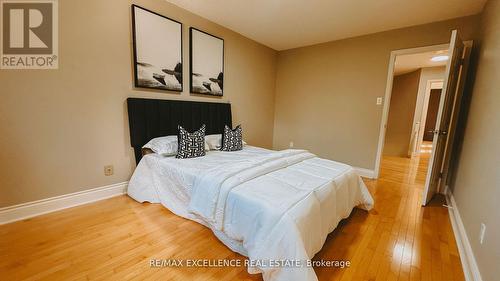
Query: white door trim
(388, 92)
(431, 84)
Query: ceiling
(412, 62)
(286, 24)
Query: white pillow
(214, 142)
(166, 146)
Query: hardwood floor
(116, 238)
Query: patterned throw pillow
(232, 140)
(191, 144)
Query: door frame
(425, 107)
(388, 92)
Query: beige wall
(326, 93)
(401, 112)
(477, 184)
(59, 128)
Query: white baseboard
(366, 173)
(44, 206)
(469, 264)
(445, 191)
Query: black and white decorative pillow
(232, 140)
(191, 144)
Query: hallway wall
(401, 112)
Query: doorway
(431, 115)
(415, 77)
(417, 84)
(428, 117)
(407, 94)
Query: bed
(271, 206)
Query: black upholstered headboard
(151, 118)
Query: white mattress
(261, 203)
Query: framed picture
(157, 50)
(206, 59)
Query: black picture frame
(211, 83)
(149, 75)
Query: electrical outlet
(291, 144)
(379, 100)
(108, 170)
(481, 233)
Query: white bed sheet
(261, 203)
(168, 180)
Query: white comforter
(269, 205)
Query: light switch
(379, 100)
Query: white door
(453, 78)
